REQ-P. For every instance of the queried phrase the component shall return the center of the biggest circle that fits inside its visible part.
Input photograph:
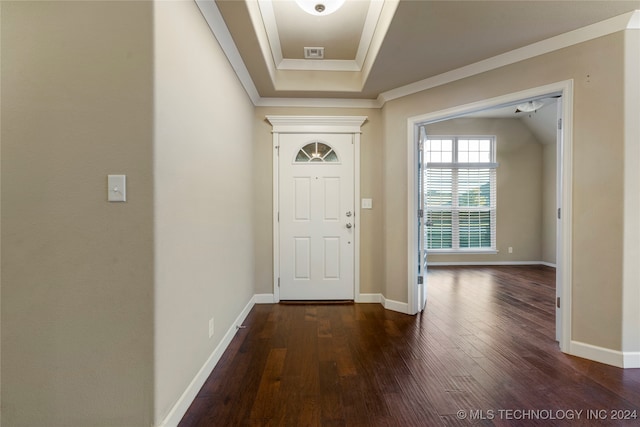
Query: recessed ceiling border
(214, 19)
(364, 46)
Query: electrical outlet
(211, 327)
(510, 250)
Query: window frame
(455, 210)
(329, 157)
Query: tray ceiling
(375, 46)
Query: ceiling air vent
(314, 53)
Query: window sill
(462, 252)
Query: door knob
(348, 214)
(349, 225)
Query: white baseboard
(368, 298)
(631, 359)
(264, 299)
(605, 355)
(401, 307)
(488, 263)
(183, 403)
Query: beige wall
(597, 70)
(77, 272)
(203, 198)
(371, 161)
(519, 188)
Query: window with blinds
(460, 194)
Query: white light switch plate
(367, 204)
(117, 188)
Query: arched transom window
(316, 152)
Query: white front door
(317, 216)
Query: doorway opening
(557, 246)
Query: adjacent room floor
(482, 353)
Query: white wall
(203, 198)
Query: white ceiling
(339, 33)
(375, 47)
(541, 122)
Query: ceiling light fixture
(320, 7)
(529, 106)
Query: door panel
(316, 205)
(331, 199)
(302, 258)
(331, 257)
(302, 199)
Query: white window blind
(460, 194)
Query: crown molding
(318, 102)
(216, 23)
(211, 13)
(319, 65)
(273, 38)
(634, 21)
(581, 35)
(368, 45)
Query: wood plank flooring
(483, 353)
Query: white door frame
(316, 125)
(564, 186)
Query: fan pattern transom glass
(316, 152)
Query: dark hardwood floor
(483, 353)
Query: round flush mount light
(320, 7)
(529, 106)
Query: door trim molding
(316, 124)
(564, 184)
(312, 125)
